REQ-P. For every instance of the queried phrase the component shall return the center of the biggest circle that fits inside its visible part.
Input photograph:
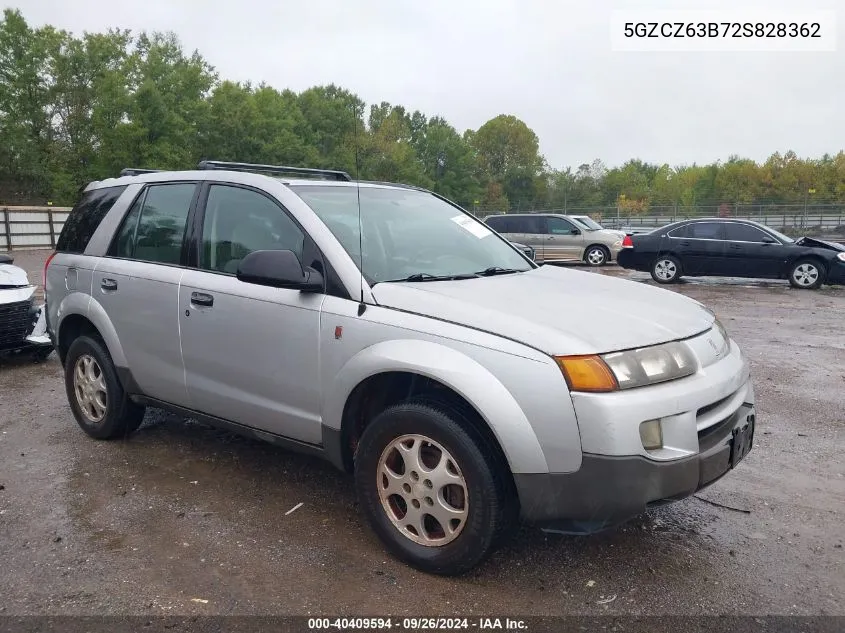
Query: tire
(666, 269)
(597, 256)
(806, 274)
(446, 438)
(95, 394)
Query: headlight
(717, 325)
(626, 370)
(840, 257)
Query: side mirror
(769, 240)
(575, 231)
(279, 269)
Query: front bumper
(609, 490)
(836, 273)
(23, 325)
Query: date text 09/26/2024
(416, 624)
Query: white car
(22, 321)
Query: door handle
(108, 284)
(202, 299)
(684, 243)
(735, 247)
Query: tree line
(79, 108)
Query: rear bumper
(608, 490)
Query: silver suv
(386, 330)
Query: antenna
(361, 306)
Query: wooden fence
(31, 227)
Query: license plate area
(742, 439)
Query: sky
(548, 62)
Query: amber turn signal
(587, 373)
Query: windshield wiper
(498, 270)
(430, 277)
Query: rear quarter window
(85, 217)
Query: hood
(815, 243)
(12, 276)
(556, 310)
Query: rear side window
(497, 223)
(86, 217)
(155, 226)
(530, 224)
(707, 231)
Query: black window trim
(196, 219)
(142, 197)
(699, 239)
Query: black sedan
(733, 248)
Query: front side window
(154, 228)
(744, 233)
(588, 222)
(399, 233)
(559, 226)
(239, 221)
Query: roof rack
(131, 171)
(332, 174)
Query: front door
(250, 352)
(564, 241)
(752, 252)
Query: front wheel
(666, 270)
(428, 490)
(806, 274)
(596, 256)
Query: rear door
(137, 283)
(531, 232)
(564, 241)
(701, 247)
(752, 252)
(250, 351)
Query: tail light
(47, 263)
(627, 242)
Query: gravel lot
(182, 512)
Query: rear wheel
(597, 256)
(666, 270)
(95, 394)
(428, 490)
(806, 274)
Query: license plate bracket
(741, 441)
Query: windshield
(588, 222)
(409, 233)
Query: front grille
(712, 406)
(15, 323)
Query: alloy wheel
(89, 385)
(596, 257)
(665, 269)
(805, 274)
(422, 490)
